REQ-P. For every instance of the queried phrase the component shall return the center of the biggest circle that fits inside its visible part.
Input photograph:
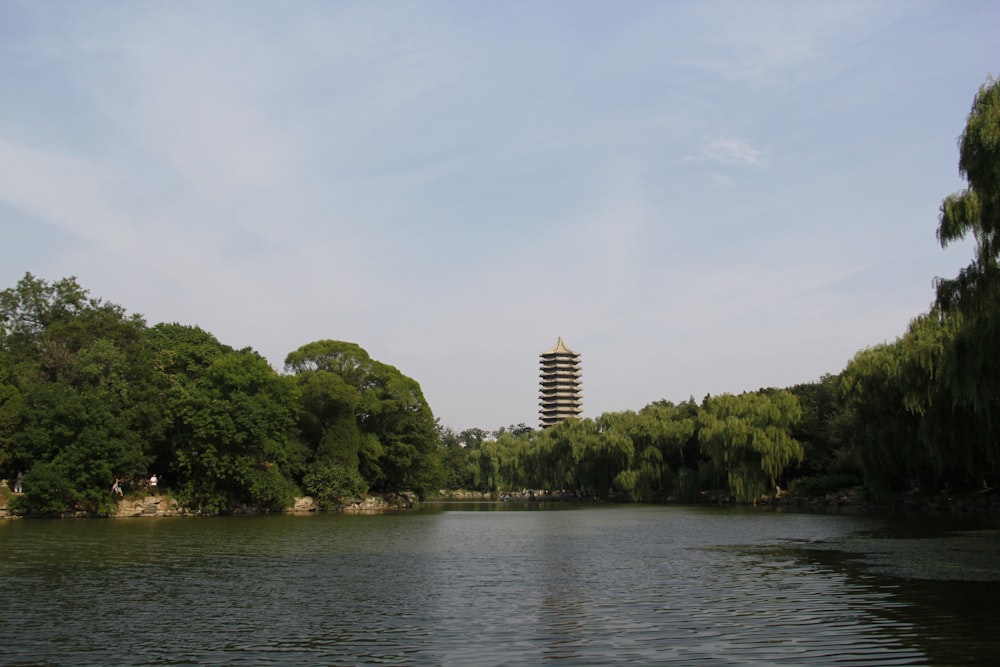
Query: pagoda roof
(560, 348)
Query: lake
(503, 584)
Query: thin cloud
(734, 151)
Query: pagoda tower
(559, 395)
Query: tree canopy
(366, 417)
(90, 395)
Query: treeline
(740, 444)
(90, 394)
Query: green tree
(10, 412)
(666, 442)
(230, 439)
(973, 297)
(327, 418)
(457, 456)
(487, 461)
(884, 432)
(88, 400)
(909, 431)
(393, 438)
(552, 462)
(976, 209)
(747, 439)
(329, 483)
(824, 429)
(472, 438)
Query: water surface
(502, 584)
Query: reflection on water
(490, 584)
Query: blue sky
(699, 197)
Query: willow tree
(599, 453)
(884, 429)
(974, 295)
(976, 209)
(489, 462)
(553, 458)
(646, 448)
(670, 430)
(747, 439)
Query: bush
(329, 483)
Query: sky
(698, 197)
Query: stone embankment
(165, 506)
(393, 501)
(160, 506)
(151, 506)
(462, 494)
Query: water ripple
(595, 586)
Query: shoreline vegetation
(93, 399)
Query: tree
(393, 437)
(973, 297)
(232, 418)
(883, 432)
(327, 418)
(976, 210)
(662, 434)
(910, 428)
(747, 439)
(487, 461)
(552, 462)
(81, 380)
(473, 438)
(456, 460)
(10, 411)
(824, 428)
(329, 483)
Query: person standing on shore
(17, 482)
(152, 485)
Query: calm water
(502, 585)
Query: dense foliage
(740, 445)
(90, 394)
(364, 419)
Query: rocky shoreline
(165, 506)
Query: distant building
(559, 396)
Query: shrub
(328, 483)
